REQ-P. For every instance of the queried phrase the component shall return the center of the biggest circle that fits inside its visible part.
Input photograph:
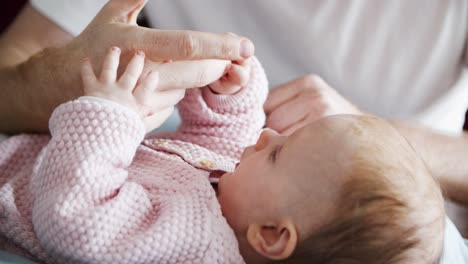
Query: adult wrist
(10, 114)
(47, 79)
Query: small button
(207, 163)
(210, 164)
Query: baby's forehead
(349, 128)
(335, 140)
(327, 130)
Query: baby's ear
(274, 241)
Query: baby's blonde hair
(386, 212)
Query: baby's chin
(219, 186)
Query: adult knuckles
(314, 85)
(275, 124)
(314, 101)
(189, 45)
(201, 78)
(276, 119)
(226, 49)
(159, 39)
(312, 81)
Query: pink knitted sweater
(98, 192)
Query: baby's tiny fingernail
(115, 49)
(140, 53)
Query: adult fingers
(87, 74)
(133, 71)
(162, 45)
(188, 74)
(155, 120)
(294, 127)
(110, 65)
(288, 113)
(286, 91)
(165, 99)
(136, 7)
(124, 11)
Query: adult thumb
(123, 11)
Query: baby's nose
(265, 138)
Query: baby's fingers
(110, 65)
(238, 74)
(146, 88)
(87, 75)
(131, 75)
(148, 98)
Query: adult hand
(297, 103)
(35, 87)
(116, 25)
(152, 105)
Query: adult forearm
(445, 156)
(32, 89)
(23, 77)
(33, 86)
(30, 33)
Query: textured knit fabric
(98, 192)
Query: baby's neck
(247, 252)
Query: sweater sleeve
(225, 123)
(84, 203)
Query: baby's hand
(123, 90)
(237, 74)
(153, 106)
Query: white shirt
(397, 59)
(455, 248)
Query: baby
(344, 189)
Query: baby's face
(300, 178)
(274, 177)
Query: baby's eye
(273, 154)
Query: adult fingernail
(247, 48)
